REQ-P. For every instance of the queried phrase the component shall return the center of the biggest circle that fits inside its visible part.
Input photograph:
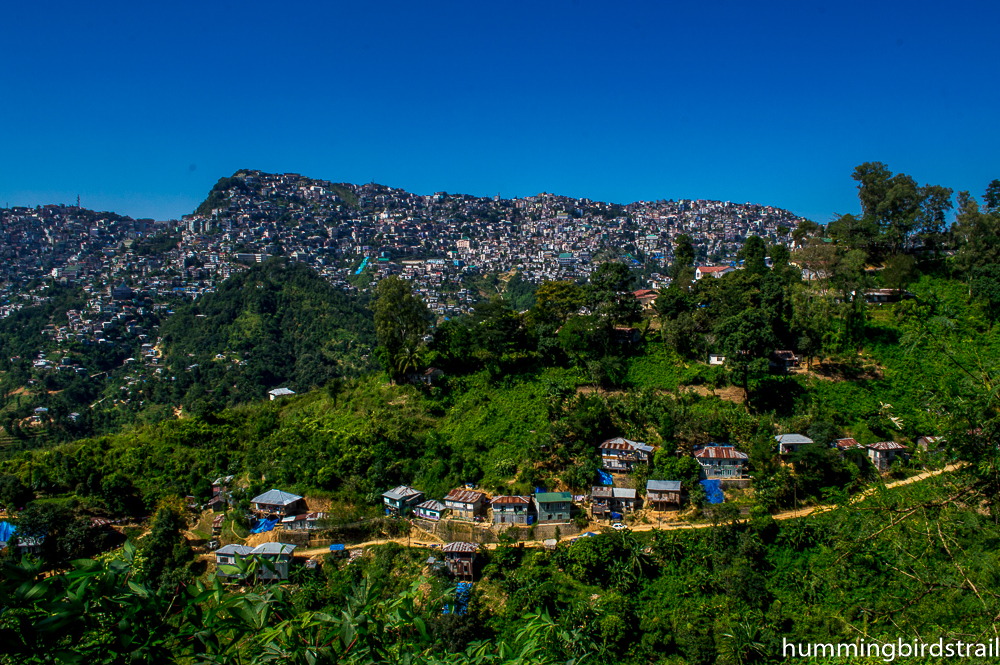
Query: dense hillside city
(437, 240)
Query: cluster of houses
(469, 504)
(618, 455)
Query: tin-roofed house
(722, 462)
(884, 453)
(622, 455)
(789, 444)
(401, 500)
(226, 560)
(600, 501)
(279, 555)
(430, 510)
(624, 500)
(217, 524)
(303, 522)
(512, 510)
(465, 504)
(276, 502)
(553, 507)
(461, 559)
(663, 493)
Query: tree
(899, 271)
(747, 341)
(985, 287)
(166, 548)
(401, 319)
(805, 228)
(683, 256)
(609, 294)
(753, 254)
(555, 301)
(893, 202)
(13, 493)
(935, 206)
(991, 200)
(976, 233)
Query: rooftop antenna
(77, 200)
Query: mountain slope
(274, 325)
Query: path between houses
(786, 515)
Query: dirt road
(669, 526)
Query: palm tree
(408, 359)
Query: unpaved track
(785, 515)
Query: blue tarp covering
(264, 525)
(606, 478)
(616, 516)
(6, 531)
(713, 491)
(539, 490)
(462, 595)
(336, 548)
(362, 266)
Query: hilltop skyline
(140, 111)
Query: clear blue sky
(140, 107)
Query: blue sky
(141, 107)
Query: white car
(618, 526)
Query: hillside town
(356, 234)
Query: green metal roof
(550, 497)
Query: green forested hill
(275, 325)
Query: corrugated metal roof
(242, 550)
(464, 496)
(550, 497)
(402, 492)
(276, 498)
(719, 452)
(460, 548)
(621, 443)
(510, 500)
(887, 445)
(663, 485)
(274, 548)
(431, 504)
(793, 438)
(298, 518)
(623, 493)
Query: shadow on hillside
(777, 394)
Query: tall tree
(609, 294)
(555, 301)
(933, 210)
(683, 255)
(401, 319)
(754, 253)
(748, 341)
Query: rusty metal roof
(464, 496)
(511, 500)
(887, 445)
(719, 452)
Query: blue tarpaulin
(462, 595)
(540, 490)
(6, 531)
(264, 526)
(336, 548)
(616, 516)
(713, 491)
(606, 478)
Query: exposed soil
(732, 393)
